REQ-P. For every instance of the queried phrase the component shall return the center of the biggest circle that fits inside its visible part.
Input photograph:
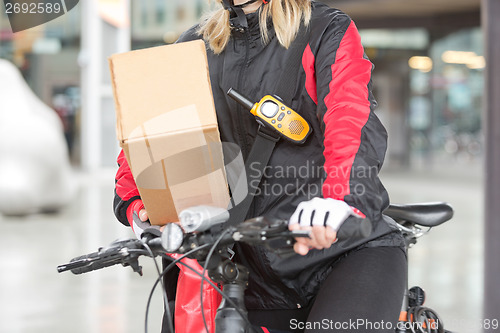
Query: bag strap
(256, 162)
(265, 140)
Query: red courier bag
(188, 318)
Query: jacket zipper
(242, 132)
(239, 109)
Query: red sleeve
(125, 184)
(348, 109)
(354, 139)
(126, 191)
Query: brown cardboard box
(167, 127)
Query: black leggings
(362, 293)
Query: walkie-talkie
(272, 113)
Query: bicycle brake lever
(282, 243)
(133, 262)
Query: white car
(35, 172)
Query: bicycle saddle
(424, 214)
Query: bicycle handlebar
(258, 231)
(118, 252)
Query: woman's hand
(140, 220)
(143, 215)
(321, 238)
(323, 217)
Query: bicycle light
(271, 112)
(201, 218)
(172, 237)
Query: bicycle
(210, 243)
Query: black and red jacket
(340, 159)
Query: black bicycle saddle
(425, 214)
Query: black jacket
(340, 159)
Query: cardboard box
(167, 127)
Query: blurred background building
(428, 74)
(429, 81)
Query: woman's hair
(286, 16)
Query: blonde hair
(286, 16)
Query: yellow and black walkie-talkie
(272, 113)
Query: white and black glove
(323, 217)
(322, 212)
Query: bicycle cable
(207, 260)
(164, 292)
(160, 280)
(171, 265)
(178, 261)
(229, 300)
(203, 279)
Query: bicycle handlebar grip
(92, 262)
(355, 228)
(77, 262)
